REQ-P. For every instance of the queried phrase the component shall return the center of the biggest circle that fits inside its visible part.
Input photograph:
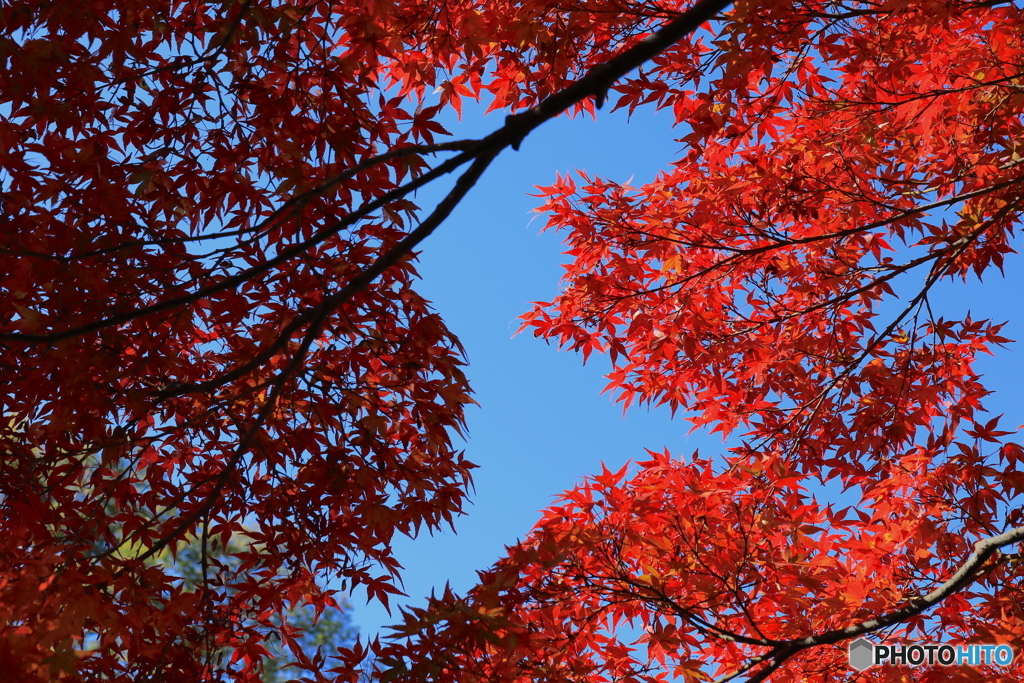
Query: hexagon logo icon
(862, 654)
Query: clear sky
(542, 422)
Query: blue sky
(542, 423)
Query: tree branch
(968, 572)
(595, 83)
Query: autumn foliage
(211, 335)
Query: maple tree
(211, 334)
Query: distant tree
(315, 635)
(211, 334)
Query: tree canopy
(212, 336)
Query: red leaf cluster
(211, 335)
